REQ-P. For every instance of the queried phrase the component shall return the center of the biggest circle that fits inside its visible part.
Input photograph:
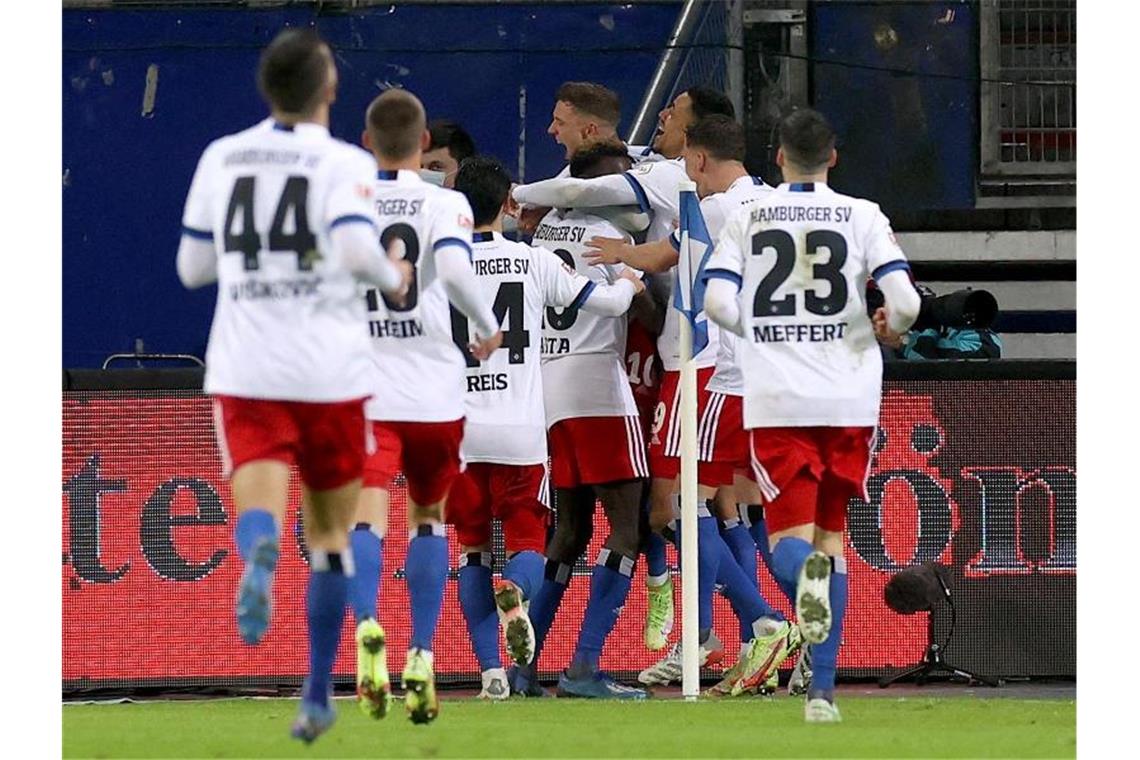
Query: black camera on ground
(966, 308)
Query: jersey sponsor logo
(276, 290)
(817, 333)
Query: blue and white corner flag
(695, 250)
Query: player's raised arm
(658, 256)
(572, 192)
(197, 261)
(566, 288)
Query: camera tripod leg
(991, 682)
(916, 670)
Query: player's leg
(431, 466)
(373, 684)
(659, 614)
(820, 706)
(331, 461)
(469, 512)
(609, 587)
(258, 441)
(739, 543)
(515, 492)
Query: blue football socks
(426, 571)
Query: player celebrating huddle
(787, 276)
(417, 394)
(281, 216)
(505, 439)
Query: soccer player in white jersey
(588, 400)
(714, 156)
(504, 443)
(788, 275)
(416, 408)
(281, 216)
(653, 185)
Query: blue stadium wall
(908, 142)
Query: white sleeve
(197, 262)
(563, 286)
(881, 249)
(196, 220)
(724, 273)
(722, 306)
(609, 300)
(450, 237)
(359, 247)
(351, 190)
(903, 301)
(571, 192)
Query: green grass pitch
(872, 727)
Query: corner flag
(696, 247)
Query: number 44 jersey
(801, 258)
(288, 322)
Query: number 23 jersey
(802, 258)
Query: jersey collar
(803, 187)
(403, 175)
(485, 236)
(304, 128)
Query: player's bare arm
(653, 258)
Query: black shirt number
(509, 308)
(830, 271)
(562, 319)
(293, 203)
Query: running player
(787, 276)
(505, 439)
(417, 394)
(281, 216)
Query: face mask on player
(432, 176)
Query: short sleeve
(452, 222)
(712, 209)
(196, 219)
(352, 191)
(727, 260)
(882, 249)
(562, 286)
(657, 186)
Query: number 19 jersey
(802, 258)
(505, 421)
(583, 354)
(288, 324)
(418, 369)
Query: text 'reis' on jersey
(417, 368)
(288, 320)
(801, 259)
(505, 419)
(583, 354)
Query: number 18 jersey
(288, 324)
(418, 369)
(583, 354)
(801, 258)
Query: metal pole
(664, 74)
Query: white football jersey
(288, 324)
(802, 258)
(418, 369)
(583, 354)
(716, 210)
(505, 419)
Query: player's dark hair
(446, 133)
(707, 102)
(396, 123)
(721, 136)
(588, 160)
(807, 139)
(485, 182)
(293, 70)
(593, 99)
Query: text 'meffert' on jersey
(801, 258)
(583, 354)
(417, 367)
(289, 319)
